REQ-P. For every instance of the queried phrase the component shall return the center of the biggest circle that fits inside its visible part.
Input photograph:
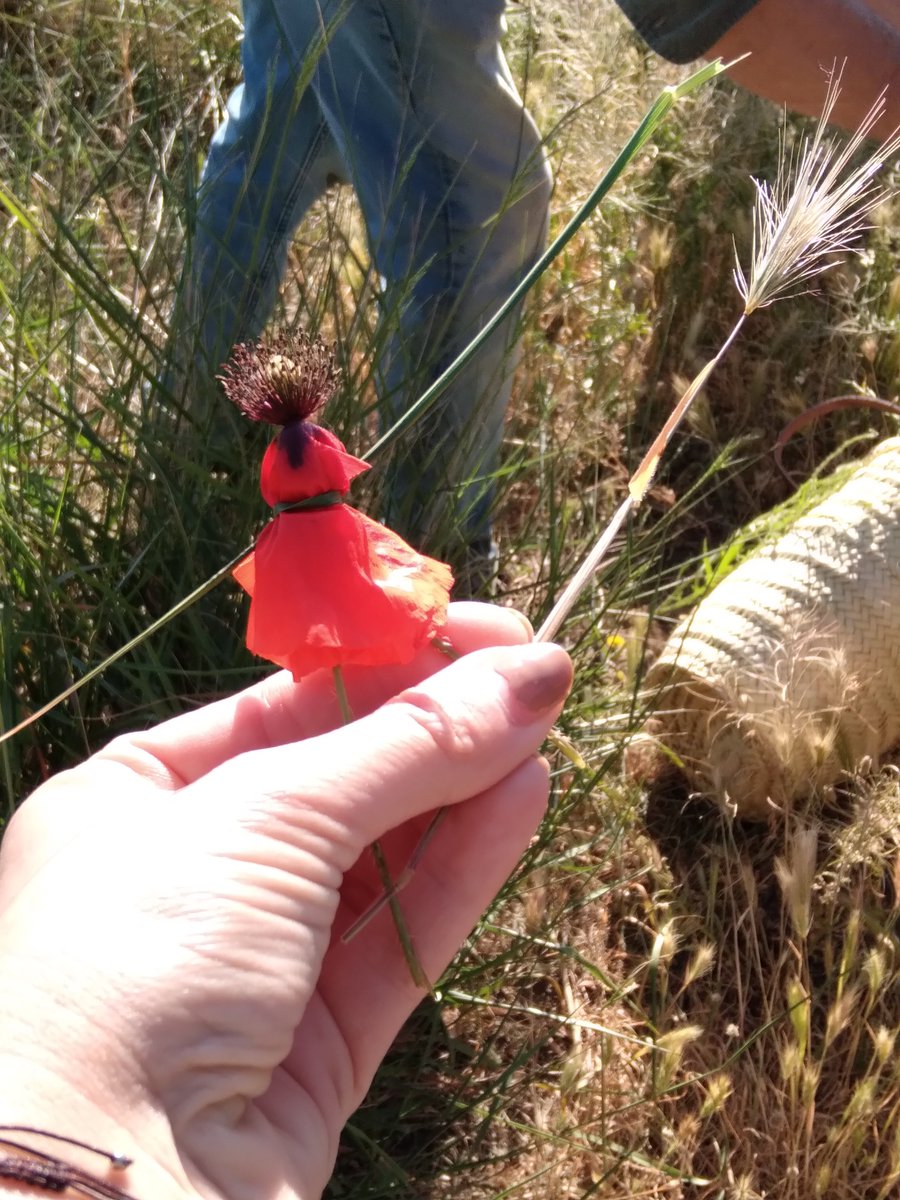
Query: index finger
(278, 710)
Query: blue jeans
(412, 102)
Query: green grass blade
(197, 594)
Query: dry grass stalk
(816, 208)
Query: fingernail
(539, 677)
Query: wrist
(49, 1097)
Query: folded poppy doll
(330, 587)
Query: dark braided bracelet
(47, 1173)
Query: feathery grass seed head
(817, 207)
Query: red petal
(330, 588)
(245, 573)
(306, 460)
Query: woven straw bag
(788, 674)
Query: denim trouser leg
(412, 102)
(271, 158)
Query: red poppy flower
(329, 586)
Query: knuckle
(454, 737)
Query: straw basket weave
(788, 673)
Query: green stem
(341, 693)
(419, 978)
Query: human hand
(172, 980)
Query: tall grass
(660, 1004)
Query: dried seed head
(283, 381)
(817, 207)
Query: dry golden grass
(760, 970)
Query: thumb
(448, 738)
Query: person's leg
(423, 117)
(455, 190)
(486, 231)
(267, 163)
